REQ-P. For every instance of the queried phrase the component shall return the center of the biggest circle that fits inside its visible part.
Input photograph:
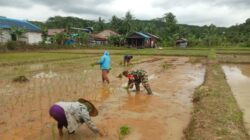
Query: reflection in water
(105, 92)
(136, 101)
(239, 84)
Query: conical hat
(93, 111)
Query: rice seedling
(123, 131)
(165, 66)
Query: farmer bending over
(72, 114)
(137, 77)
(126, 59)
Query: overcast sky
(192, 12)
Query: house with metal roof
(32, 35)
(142, 40)
(181, 43)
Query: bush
(3, 47)
(247, 43)
(11, 45)
(21, 79)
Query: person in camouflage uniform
(136, 77)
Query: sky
(223, 13)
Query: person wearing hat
(72, 114)
(136, 78)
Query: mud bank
(164, 115)
(216, 114)
(238, 77)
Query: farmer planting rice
(127, 59)
(105, 66)
(136, 77)
(72, 114)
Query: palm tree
(17, 32)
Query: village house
(52, 32)
(181, 43)
(72, 34)
(101, 38)
(32, 35)
(153, 40)
(142, 40)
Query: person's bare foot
(60, 132)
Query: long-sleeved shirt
(105, 61)
(77, 113)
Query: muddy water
(238, 77)
(24, 106)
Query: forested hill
(166, 27)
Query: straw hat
(91, 108)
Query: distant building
(142, 40)
(153, 40)
(101, 38)
(33, 34)
(52, 32)
(181, 43)
(87, 29)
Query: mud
(230, 58)
(238, 78)
(24, 106)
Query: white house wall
(29, 37)
(4, 36)
(33, 37)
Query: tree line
(166, 27)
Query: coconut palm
(17, 32)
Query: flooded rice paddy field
(238, 77)
(24, 106)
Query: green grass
(34, 57)
(56, 55)
(212, 55)
(162, 52)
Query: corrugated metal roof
(142, 34)
(8, 23)
(149, 34)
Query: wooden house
(142, 40)
(101, 38)
(181, 43)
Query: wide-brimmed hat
(91, 108)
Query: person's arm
(91, 125)
(85, 116)
(101, 60)
(130, 83)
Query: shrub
(11, 45)
(21, 79)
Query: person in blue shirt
(105, 63)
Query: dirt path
(164, 115)
(238, 77)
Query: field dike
(216, 114)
